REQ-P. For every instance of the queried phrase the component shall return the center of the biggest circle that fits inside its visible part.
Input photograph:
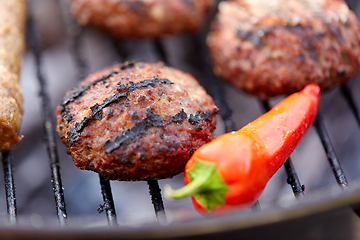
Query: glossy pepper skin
(232, 171)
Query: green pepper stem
(197, 185)
(205, 184)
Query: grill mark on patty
(255, 38)
(82, 89)
(153, 120)
(66, 114)
(306, 35)
(140, 129)
(96, 110)
(179, 117)
(201, 116)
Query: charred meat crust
(153, 120)
(96, 110)
(141, 123)
(268, 48)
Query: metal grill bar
(75, 33)
(49, 139)
(215, 89)
(108, 202)
(292, 177)
(351, 102)
(330, 152)
(156, 199)
(161, 51)
(9, 188)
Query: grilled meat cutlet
(267, 48)
(136, 121)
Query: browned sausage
(12, 45)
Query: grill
(84, 191)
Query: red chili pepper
(233, 170)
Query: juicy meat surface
(136, 121)
(142, 18)
(267, 48)
(12, 46)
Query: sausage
(136, 121)
(12, 46)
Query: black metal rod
(161, 51)
(156, 199)
(108, 201)
(330, 152)
(9, 188)
(214, 87)
(292, 177)
(49, 130)
(75, 33)
(351, 102)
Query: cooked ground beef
(268, 48)
(136, 121)
(142, 18)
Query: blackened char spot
(97, 112)
(301, 57)
(131, 86)
(307, 38)
(139, 130)
(124, 90)
(244, 34)
(201, 116)
(191, 152)
(66, 114)
(82, 89)
(141, 98)
(250, 36)
(74, 133)
(179, 117)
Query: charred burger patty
(268, 48)
(142, 18)
(136, 121)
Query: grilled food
(269, 48)
(12, 44)
(142, 18)
(136, 121)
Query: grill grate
(9, 188)
(330, 152)
(49, 138)
(351, 102)
(108, 204)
